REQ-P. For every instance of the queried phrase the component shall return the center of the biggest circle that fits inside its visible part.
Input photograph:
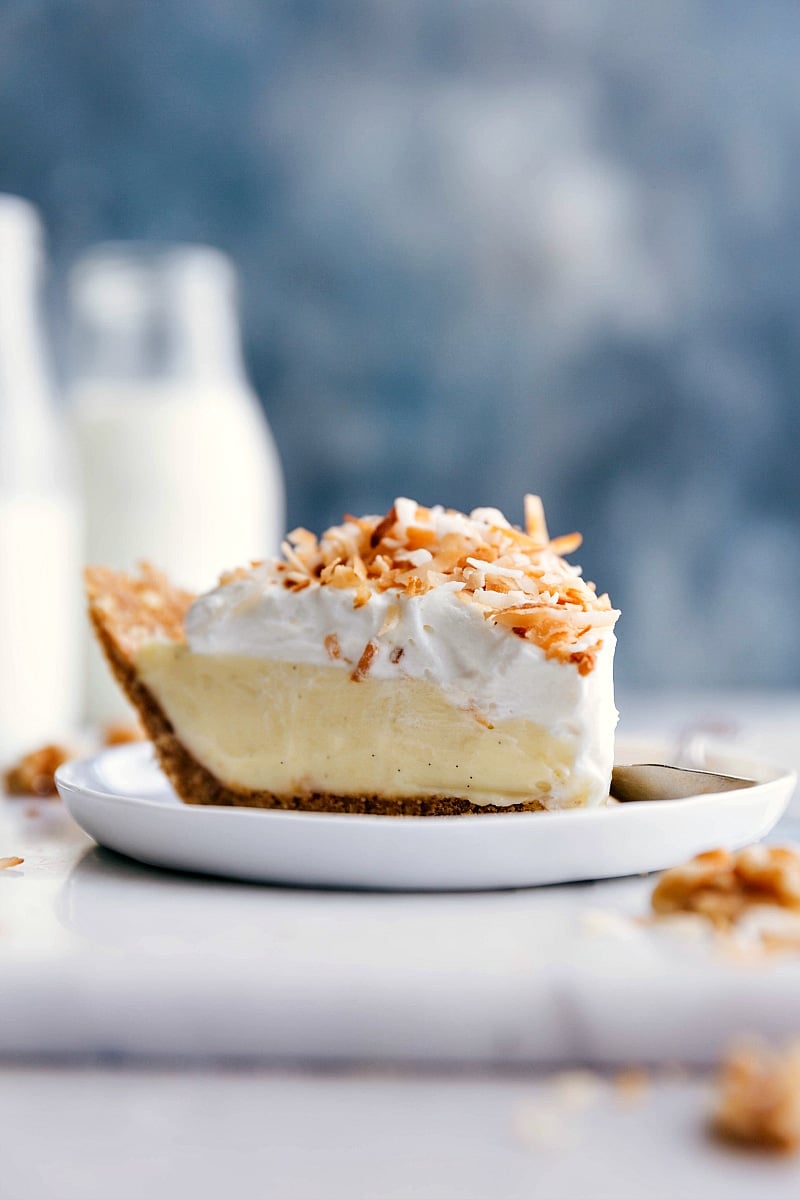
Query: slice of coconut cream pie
(423, 662)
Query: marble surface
(102, 956)
(92, 1134)
(114, 977)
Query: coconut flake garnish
(516, 578)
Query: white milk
(40, 620)
(187, 481)
(178, 464)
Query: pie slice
(424, 662)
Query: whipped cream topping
(448, 630)
(516, 579)
(433, 637)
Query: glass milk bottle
(178, 464)
(41, 622)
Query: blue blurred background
(485, 247)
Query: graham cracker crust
(125, 611)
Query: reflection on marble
(110, 900)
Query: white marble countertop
(89, 1134)
(102, 955)
(106, 962)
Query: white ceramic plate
(123, 801)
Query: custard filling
(295, 728)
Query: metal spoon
(656, 781)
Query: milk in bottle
(178, 463)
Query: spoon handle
(658, 781)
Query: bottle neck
(207, 346)
(152, 320)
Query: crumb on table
(631, 1085)
(120, 733)
(722, 885)
(34, 773)
(759, 1097)
(12, 861)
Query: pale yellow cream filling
(292, 729)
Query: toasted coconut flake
(232, 576)
(122, 733)
(517, 579)
(480, 717)
(758, 1101)
(362, 596)
(474, 578)
(496, 570)
(585, 660)
(297, 582)
(332, 647)
(12, 861)
(380, 565)
(391, 620)
(302, 539)
(408, 512)
(384, 526)
(568, 543)
(631, 1084)
(535, 523)
(326, 574)
(499, 585)
(34, 774)
(345, 577)
(293, 557)
(490, 516)
(722, 885)
(418, 538)
(363, 665)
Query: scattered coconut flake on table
(758, 1101)
(749, 900)
(34, 773)
(723, 885)
(631, 1085)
